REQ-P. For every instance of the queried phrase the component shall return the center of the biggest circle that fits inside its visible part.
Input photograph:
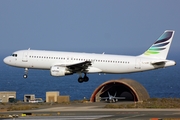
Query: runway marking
(174, 113)
(64, 117)
(68, 108)
(130, 117)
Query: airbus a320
(67, 63)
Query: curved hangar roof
(130, 89)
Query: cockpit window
(14, 55)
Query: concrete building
(28, 97)
(7, 96)
(51, 96)
(63, 99)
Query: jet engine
(59, 71)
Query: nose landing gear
(25, 73)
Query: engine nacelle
(59, 71)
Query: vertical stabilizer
(161, 47)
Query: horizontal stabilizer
(159, 62)
(163, 63)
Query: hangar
(131, 90)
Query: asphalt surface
(94, 111)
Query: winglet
(161, 47)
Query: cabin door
(138, 63)
(25, 57)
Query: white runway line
(62, 117)
(130, 117)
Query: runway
(96, 112)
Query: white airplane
(67, 63)
(111, 98)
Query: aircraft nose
(7, 60)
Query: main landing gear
(83, 79)
(25, 73)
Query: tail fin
(115, 94)
(161, 47)
(109, 94)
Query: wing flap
(77, 67)
(81, 67)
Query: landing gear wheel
(85, 79)
(25, 73)
(80, 79)
(25, 76)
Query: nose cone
(7, 60)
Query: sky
(110, 26)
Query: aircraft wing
(120, 98)
(78, 67)
(104, 98)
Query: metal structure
(130, 89)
